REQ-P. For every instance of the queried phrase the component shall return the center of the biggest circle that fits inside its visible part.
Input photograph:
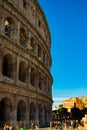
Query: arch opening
(21, 111)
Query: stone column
(50, 90)
(14, 115)
(37, 82)
(27, 114)
(43, 113)
(29, 42)
(29, 71)
(18, 32)
(37, 20)
(29, 110)
(1, 59)
(17, 69)
(14, 32)
(50, 113)
(36, 49)
(14, 63)
(37, 110)
(2, 27)
(34, 17)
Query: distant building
(84, 101)
(68, 103)
(73, 102)
(25, 61)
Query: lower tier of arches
(15, 108)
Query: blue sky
(67, 20)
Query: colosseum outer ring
(25, 61)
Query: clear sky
(67, 20)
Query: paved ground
(48, 128)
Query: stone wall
(25, 61)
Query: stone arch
(32, 13)
(39, 53)
(40, 81)
(49, 87)
(22, 71)
(5, 109)
(48, 111)
(21, 111)
(40, 116)
(48, 63)
(45, 114)
(33, 76)
(32, 46)
(24, 4)
(39, 23)
(9, 26)
(8, 65)
(32, 111)
(44, 57)
(23, 37)
(44, 83)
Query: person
(61, 126)
(74, 124)
(17, 127)
(32, 125)
(6, 127)
(51, 124)
(13, 128)
(36, 126)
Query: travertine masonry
(25, 61)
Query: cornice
(14, 89)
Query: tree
(76, 113)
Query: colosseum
(25, 62)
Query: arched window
(5, 66)
(44, 83)
(49, 87)
(8, 65)
(23, 37)
(44, 57)
(39, 53)
(24, 4)
(22, 72)
(45, 86)
(32, 111)
(9, 22)
(40, 114)
(39, 23)
(40, 81)
(21, 111)
(45, 111)
(32, 46)
(5, 110)
(33, 77)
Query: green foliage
(75, 113)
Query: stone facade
(73, 102)
(25, 61)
